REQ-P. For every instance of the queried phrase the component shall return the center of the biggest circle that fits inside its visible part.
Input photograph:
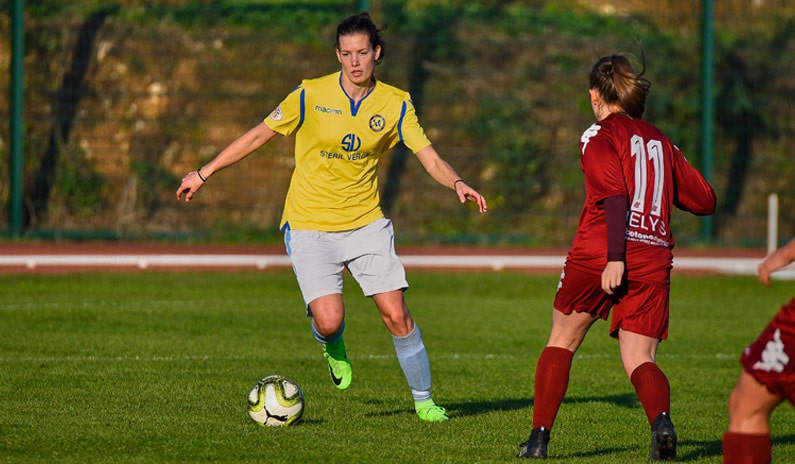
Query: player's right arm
(776, 260)
(241, 147)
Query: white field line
(741, 266)
(386, 356)
(145, 261)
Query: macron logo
(324, 109)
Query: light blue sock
(327, 340)
(413, 360)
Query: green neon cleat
(338, 365)
(429, 412)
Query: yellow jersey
(338, 144)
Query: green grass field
(155, 368)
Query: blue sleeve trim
(400, 121)
(302, 107)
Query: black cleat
(663, 439)
(535, 446)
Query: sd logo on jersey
(351, 142)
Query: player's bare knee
(398, 326)
(327, 328)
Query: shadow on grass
(622, 400)
(567, 457)
(468, 408)
(700, 449)
(474, 408)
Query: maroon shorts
(638, 307)
(770, 359)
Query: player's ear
(377, 52)
(594, 96)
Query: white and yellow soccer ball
(275, 400)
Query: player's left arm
(604, 180)
(616, 221)
(444, 174)
(692, 192)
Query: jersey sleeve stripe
(302, 106)
(400, 121)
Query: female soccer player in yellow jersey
(332, 219)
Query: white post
(772, 223)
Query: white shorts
(318, 259)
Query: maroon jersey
(625, 156)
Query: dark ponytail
(618, 84)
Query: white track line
(741, 266)
(144, 261)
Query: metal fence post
(706, 105)
(16, 129)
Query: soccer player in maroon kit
(621, 256)
(767, 378)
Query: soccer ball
(275, 400)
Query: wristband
(457, 181)
(199, 172)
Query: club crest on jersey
(377, 123)
(351, 142)
(276, 114)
